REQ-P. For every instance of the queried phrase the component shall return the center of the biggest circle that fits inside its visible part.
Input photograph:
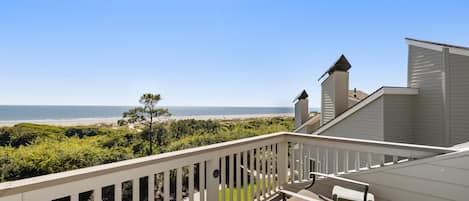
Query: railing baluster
(179, 184)
(357, 161)
(264, 171)
(306, 166)
(265, 164)
(213, 183)
(166, 186)
(202, 180)
(300, 161)
(292, 163)
(275, 171)
(191, 182)
(151, 187)
(245, 175)
(269, 169)
(136, 189)
(369, 160)
(258, 173)
(223, 177)
(238, 176)
(317, 159)
(97, 194)
(326, 161)
(308, 161)
(346, 152)
(251, 176)
(282, 163)
(118, 191)
(74, 197)
(231, 175)
(336, 161)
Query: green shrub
(26, 133)
(28, 150)
(51, 156)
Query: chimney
(334, 90)
(301, 108)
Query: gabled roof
(341, 64)
(364, 102)
(302, 95)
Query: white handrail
(365, 145)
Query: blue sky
(208, 53)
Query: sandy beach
(95, 121)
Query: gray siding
(327, 103)
(458, 98)
(334, 96)
(426, 73)
(398, 118)
(388, 118)
(366, 123)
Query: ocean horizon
(71, 112)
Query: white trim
(400, 91)
(312, 120)
(452, 50)
(424, 45)
(458, 51)
(356, 144)
(366, 101)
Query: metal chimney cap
(302, 95)
(341, 64)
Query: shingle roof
(358, 94)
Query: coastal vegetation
(28, 150)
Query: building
(433, 109)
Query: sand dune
(94, 121)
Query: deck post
(212, 175)
(282, 163)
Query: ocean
(32, 113)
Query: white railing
(250, 169)
(336, 155)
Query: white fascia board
(459, 51)
(400, 91)
(310, 121)
(366, 101)
(424, 45)
(452, 50)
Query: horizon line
(91, 105)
